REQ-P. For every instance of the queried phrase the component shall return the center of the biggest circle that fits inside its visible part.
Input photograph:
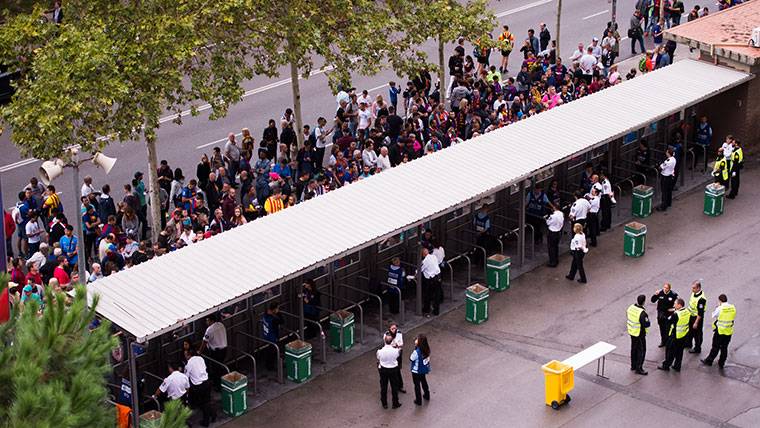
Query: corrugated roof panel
(175, 288)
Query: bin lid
(477, 289)
(556, 367)
(298, 345)
(151, 415)
(499, 258)
(642, 189)
(342, 314)
(233, 377)
(636, 226)
(715, 188)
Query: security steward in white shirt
(174, 386)
(592, 218)
(387, 359)
(579, 210)
(667, 180)
(431, 283)
(215, 345)
(398, 343)
(605, 203)
(554, 222)
(200, 386)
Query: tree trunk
(441, 72)
(153, 188)
(662, 12)
(559, 17)
(295, 85)
(614, 13)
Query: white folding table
(597, 352)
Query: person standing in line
(723, 328)
(554, 222)
(638, 327)
(200, 387)
(420, 368)
(737, 164)
(592, 220)
(579, 210)
(697, 305)
(387, 359)
(398, 343)
(665, 299)
(578, 249)
(678, 329)
(431, 277)
(667, 180)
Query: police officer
(554, 222)
(398, 343)
(678, 323)
(638, 326)
(697, 305)
(387, 365)
(665, 299)
(606, 202)
(535, 209)
(396, 277)
(592, 219)
(737, 164)
(721, 169)
(723, 329)
(667, 179)
(579, 210)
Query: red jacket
(10, 225)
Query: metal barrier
(370, 296)
(533, 240)
(619, 194)
(474, 247)
(353, 305)
(150, 397)
(451, 271)
(632, 173)
(693, 160)
(323, 344)
(400, 299)
(276, 347)
(253, 366)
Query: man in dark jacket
(544, 37)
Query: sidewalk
(489, 375)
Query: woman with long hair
(420, 368)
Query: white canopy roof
(160, 295)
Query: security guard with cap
(679, 330)
(723, 329)
(737, 164)
(697, 305)
(638, 326)
(721, 169)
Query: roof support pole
(301, 328)
(684, 150)
(134, 384)
(521, 221)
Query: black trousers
(719, 344)
(538, 225)
(200, 398)
(577, 265)
(674, 353)
(399, 360)
(389, 376)
(662, 322)
(735, 181)
(420, 383)
(431, 294)
(695, 334)
(592, 223)
(638, 352)
(552, 242)
(605, 206)
(666, 186)
(215, 372)
(391, 297)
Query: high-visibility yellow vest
(682, 326)
(720, 170)
(737, 157)
(725, 323)
(693, 301)
(634, 315)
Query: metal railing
(253, 364)
(449, 262)
(474, 247)
(400, 297)
(276, 347)
(323, 342)
(150, 397)
(370, 296)
(353, 305)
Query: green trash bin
(298, 360)
(497, 272)
(714, 197)
(642, 201)
(476, 307)
(342, 330)
(634, 242)
(234, 394)
(150, 419)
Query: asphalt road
(182, 145)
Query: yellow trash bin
(560, 380)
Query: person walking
(387, 359)
(723, 328)
(398, 343)
(578, 249)
(554, 222)
(636, 33)
(667, 179)
(665, 299)
(697, 305)
(737, 164)
(431, 285)
(420, 368)
(199, 395)
(638, 327)
(678, 330)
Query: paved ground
(267, 98)
(489, 375)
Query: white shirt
(387, 357)
(728, 149)
(606, 187)
(498, 103)
(383, 162)
(321, 142)
(556, 221)
(175, 385)
(369, 158)
(365, 117)
(579, 209)
(668, 167)
(576, 56)
(578, 243)
(594, 203)
(364, 99)
(87, 189)
(430, 268)
(195, 369)
(588, 62)
(398, 340)
(216, 336)
(439, 254)
(33, 231)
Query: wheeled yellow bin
(560, 379)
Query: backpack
(643, 64)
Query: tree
(559, 25)
(53, 365)
(442, 20)
(343, 36)
(114, 68)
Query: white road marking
(523, 8)
(216, 142)
(596, 14)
